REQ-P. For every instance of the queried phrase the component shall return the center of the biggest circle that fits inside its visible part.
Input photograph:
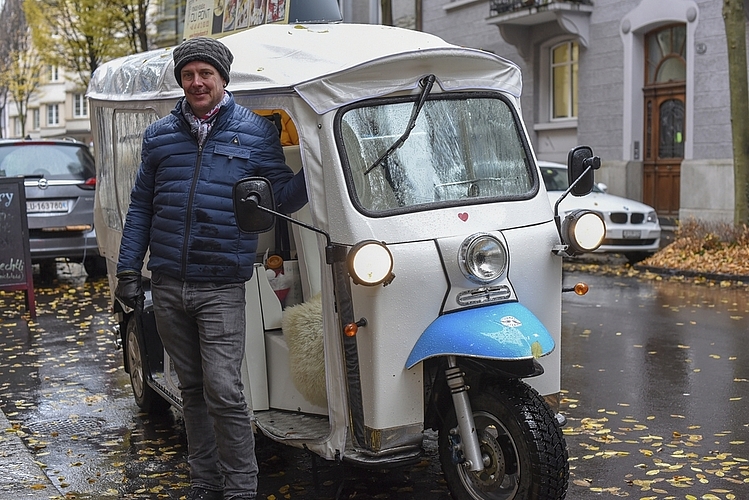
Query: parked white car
(632, 228)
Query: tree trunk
(387, 12)
(734, 18)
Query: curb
(21, 477)
(613, 260)
(694, 274)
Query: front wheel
(523, 448)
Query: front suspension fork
(469, 439)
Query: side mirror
(254, 205)
(580, 166)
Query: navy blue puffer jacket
(181, 204)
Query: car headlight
(652, 217)
(370, 263)
(482, 258)
(583, 231)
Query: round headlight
(583, 231)
(482, 258)
(370, 263)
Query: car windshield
(459, 151)
(555, 179)
(53, 160)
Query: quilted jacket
(181, 204)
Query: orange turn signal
(581, 288)
(350, 329)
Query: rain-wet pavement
(656, 374)
(655, 378)
(67, 397)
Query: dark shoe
(197, 493)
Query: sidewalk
(21, 476)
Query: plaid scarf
(200, 127)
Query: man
(181, 210)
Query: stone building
(644, 82)
(57, 109)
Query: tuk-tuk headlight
(482, 258)
(583, 231)
(370, 263)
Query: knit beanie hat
(203, 49)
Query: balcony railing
(498, 7)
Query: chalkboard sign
(15, 259)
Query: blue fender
(504, 331)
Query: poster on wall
(217, 18)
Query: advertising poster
(217, 18)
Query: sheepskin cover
(302, 329)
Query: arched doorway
(664, 101)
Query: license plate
(47, 206)
(631, 235)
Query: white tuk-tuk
(422, 282)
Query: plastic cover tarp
(317, 62)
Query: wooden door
(664, 96)
(664, 147)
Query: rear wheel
(145, 397)
(523, 448)
(48, 270)
(96, 266)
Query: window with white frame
(564, 77)
(53, 115)
(80, 106)
(17, 126)
(36, 119)
(54, 74)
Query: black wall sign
(15, 260)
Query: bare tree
(22, 78)
(78, 35)
(14, 29)
(734, 18)
(134, 22)
(387, 12)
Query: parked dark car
(60, 181)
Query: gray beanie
(203, 49)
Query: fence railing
(497, 7)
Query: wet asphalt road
(655, 375)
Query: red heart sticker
(463, 216)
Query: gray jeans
(202, 326)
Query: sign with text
(15, 259)
(223, 17)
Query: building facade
(644, 82)
(57, 109)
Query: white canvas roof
(328, 65)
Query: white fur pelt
(302, 329)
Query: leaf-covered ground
(719, 249)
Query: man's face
(203, 86)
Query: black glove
(129, 288)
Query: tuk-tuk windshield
(460, 150)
